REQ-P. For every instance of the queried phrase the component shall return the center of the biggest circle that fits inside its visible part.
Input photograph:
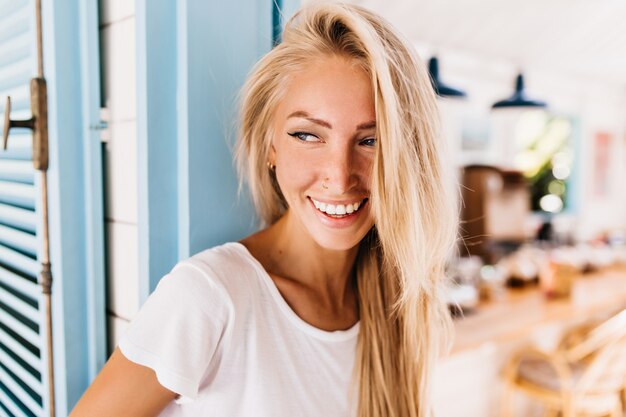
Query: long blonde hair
(400, 266)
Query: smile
(338, 210)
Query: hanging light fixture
(440, 88)
(519, 98)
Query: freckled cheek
(295, 175)
(364, 166)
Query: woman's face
(323, 148)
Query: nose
(340, 175)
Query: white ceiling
(583, 38)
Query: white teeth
(337, 209)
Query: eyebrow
(299, 113)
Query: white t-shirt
(217, 331)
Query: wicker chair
(585, 378)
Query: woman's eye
(304, 137)
(369, 142)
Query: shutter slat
(16, 50)
(8, 403)
(17, 114)
(19, 305)
(20, 144)
(21, 329)
(18, 370)
(11, 5)
(18, 194)
(18, 131)
(22, 218)
(18, 261)
(16, 22)
(15, 73)
(20, 98)
(17, 348)
(19, 392)
(20, 171)
(17, 239)
(19, 284)
(2, 412)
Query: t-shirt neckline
(335, 335)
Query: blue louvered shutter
(23, 360)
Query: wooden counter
(519, 311)
(468, 382)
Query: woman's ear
(271, 157)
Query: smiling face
(323, 147)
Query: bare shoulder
(123, 388)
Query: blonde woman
(333, 308)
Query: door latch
(38, 122)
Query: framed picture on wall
(601, 163)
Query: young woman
(333, 308)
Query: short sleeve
(177, 330)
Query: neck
(294, 255)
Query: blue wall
(218, 42)
(156, 140)
(193, 57)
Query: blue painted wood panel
(70, 42)
(193, 57)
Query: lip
(339, 223)
(335, 202)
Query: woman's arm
(123, 388)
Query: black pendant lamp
(519, 99)
(440, 88)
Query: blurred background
(125, 167)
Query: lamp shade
(519, 98)
(441, 88)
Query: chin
(335, 241)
